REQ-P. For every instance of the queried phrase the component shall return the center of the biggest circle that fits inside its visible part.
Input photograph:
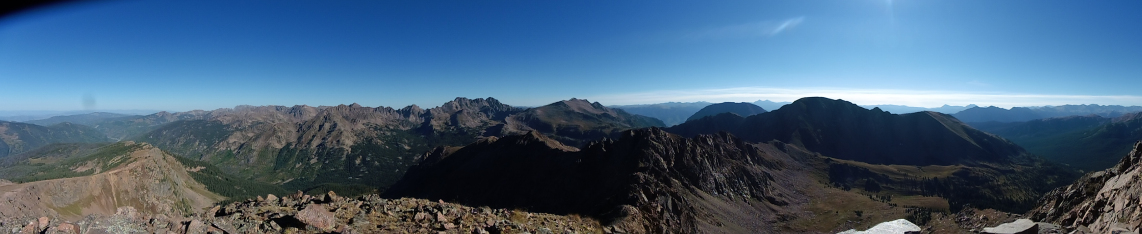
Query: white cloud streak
(749, 30)
(918, 98)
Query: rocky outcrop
(647, 181)
(1100, 200)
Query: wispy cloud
(919, 98)
(749, 30)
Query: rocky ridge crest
(1101, 200)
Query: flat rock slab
(1021, 226)
(901, 226)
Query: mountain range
(813, 165)
(303, 147)
(1021, 114)
(860, 138)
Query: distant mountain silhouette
(671, 113)
(1020, 114)
(844, 130)
(742, 109)
(900, 109)
(996, 114)
(89, 119)
(770, 105)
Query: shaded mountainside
(1100, 200)
(840, 129)
(364, 148)
(88, 119)
(671, 113)
(646, 181)
(128, 174)
(1084, 142)
(924, 153)
(16, 137)
(743, 109)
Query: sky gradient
(184, 55)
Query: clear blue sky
(183, 55)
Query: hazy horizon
(205, 55)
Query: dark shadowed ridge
(742, 109)
(646, 181)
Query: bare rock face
(1100, 200)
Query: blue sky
(183, 55)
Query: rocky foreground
(327, 213)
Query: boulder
(317, 216)
(1021, 226)
(901, 226)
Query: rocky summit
(323, 213)
(1101, 201)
